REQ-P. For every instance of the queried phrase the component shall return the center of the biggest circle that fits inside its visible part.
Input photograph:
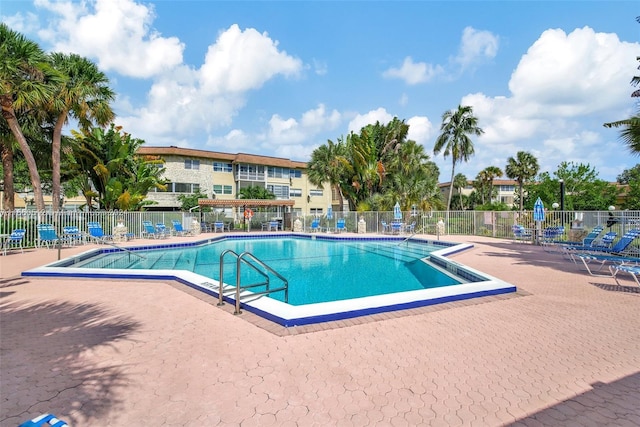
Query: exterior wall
(306, 195)
(507, 197)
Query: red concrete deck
(564, 351)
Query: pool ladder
(248, 259)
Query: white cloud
(559, 91)
(243, 60)
(117, 33)
(421, 131)
(26, 23)
(234, 141)
(476, 46)
(413, 72)
(370, 118)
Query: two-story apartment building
(505, 190)
(221, 176)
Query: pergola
(245, 203)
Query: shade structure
(329, 212)
(397, 213)
(538, 210)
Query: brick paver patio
(564, 351)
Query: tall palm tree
(485, 178)
(457, 126)
(630, 134)
(329, 164)
(26, 83)
(522, 168)
(84, 95)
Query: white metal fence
(484, 223)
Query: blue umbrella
(538, 210)
(330, 212)
(397, 213)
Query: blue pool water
(317, 270)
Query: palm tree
(459, 182)
(26, 83)
(255, 192)
(523, 168)
(457, 126)
(485, 181)
(630, 134)
(85, 96)
(329, 164)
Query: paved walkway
(564, 351)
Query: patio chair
(71, 235)
(340, 226)
(47, 235)
(14, 240)
(633, 270)
(410, 228)
(273, 225)
(396, 227)
(205, 228)
(162, 230)
(385, 227)
(315, 225)
(218, 226)
(177, 228)
(586, 241)
(150, 231)
(44, 420)
(520, 233)
(97, 233)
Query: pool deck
(564, 350)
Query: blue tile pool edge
(481, 284)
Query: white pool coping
(479, 284)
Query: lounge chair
(586, 241)
(177, 228)
(47, 235)
(633, 270)
(597, 245)
(14, 240)
(520, 233)
(71, 235)
(150, 231)
(614, 255)
(44, 420)
(97, 233)
(162, 230)
(340, 226)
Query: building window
(251, 172)
(316, 192)
(295, 173)
(179, 187)
(222, 167)
(192, 164)
(295, 192)
(507, 188)
(223, 189)
(275, 172)
(281, 191)
(316, 211)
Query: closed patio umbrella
(397, 213)
(538, 217)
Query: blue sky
(280, 78)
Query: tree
(26, 85)
(83, 95)
(113, 170)
(190, 201)
(584, 191)
(454, 140)
(484, 182)
(329, 164)
(255, 192)
(631, 179)
(460, 181)
(522, 168)
(630, 134)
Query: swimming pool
(333, 277)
